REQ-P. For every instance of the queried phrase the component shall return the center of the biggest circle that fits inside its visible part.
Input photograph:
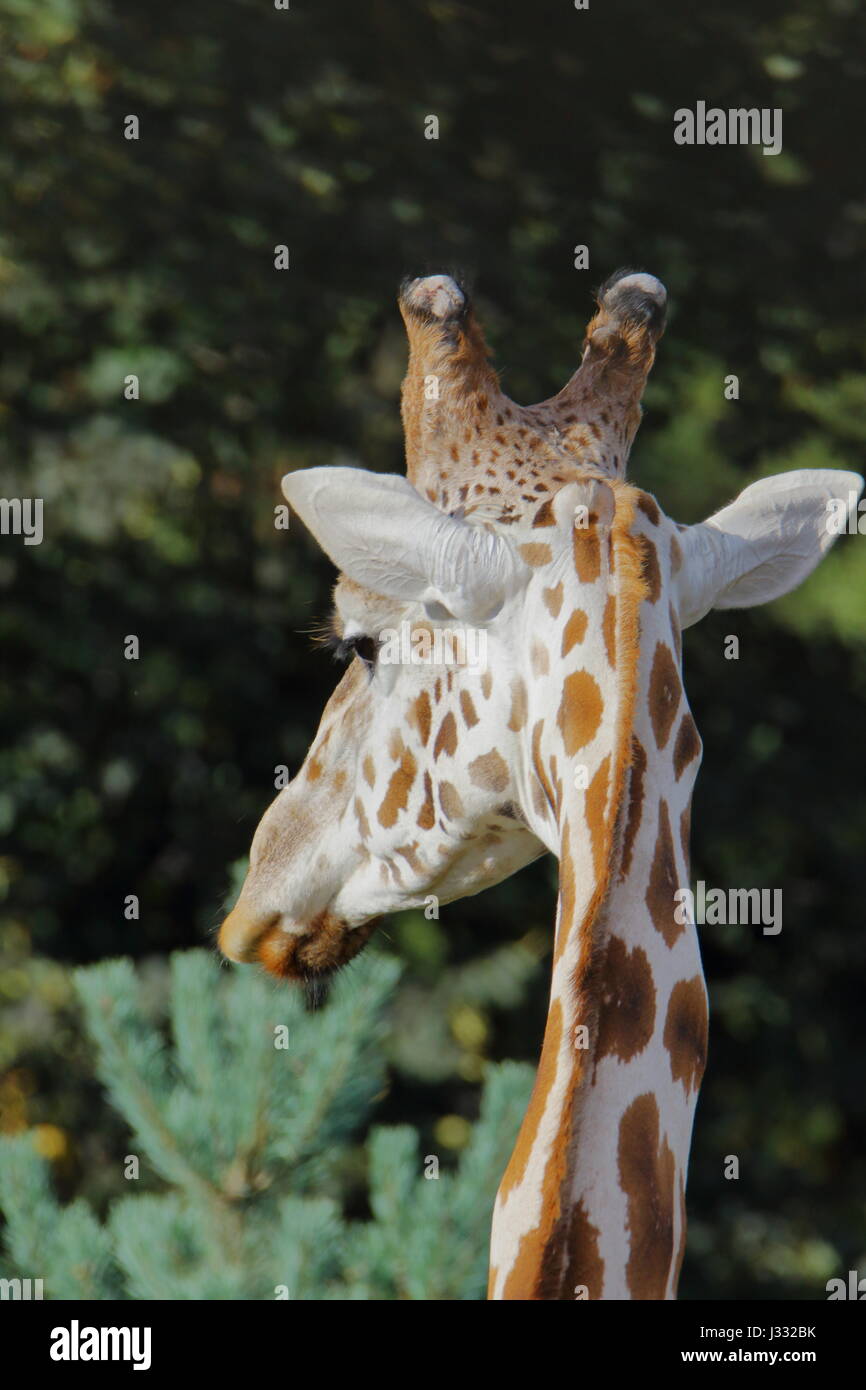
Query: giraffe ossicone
(574, 736)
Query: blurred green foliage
(241, 1113)
(305, 127)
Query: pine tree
(242, 1117)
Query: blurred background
(305, 127)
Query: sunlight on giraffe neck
(591, 1204)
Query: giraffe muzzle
(313, 952)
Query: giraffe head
(488, 607)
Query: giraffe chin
(316, 953)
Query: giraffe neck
(591, 1205)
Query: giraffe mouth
(312, 956)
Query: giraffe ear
(383, 534)
(766, 542)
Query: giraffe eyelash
(326, 633)
(340, 647)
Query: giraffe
(573, 736)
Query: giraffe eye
(367, 648)
(361, 645)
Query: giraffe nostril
(241, 933)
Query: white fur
(383, 534)
(763, 544)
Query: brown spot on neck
(535, 554)
(608, 630)
(688, 744)
(545, 516)
(663, 881)
(427, 814)
(397, 796)
(574, 630)
(637, 773)
(649, 507)
(517, 717)
(539, 658)
(647, 1172)
(449, 800)
(627, 1004)
(596, 809)
(490, 772)
(665, 691)
(467, 709)
(572, 1260)
(553, 599)
(587, 554)
(686, 1028)
(421, 716)
(650, 571)
(580, 710)
(446, 739)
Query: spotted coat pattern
(576, 738)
